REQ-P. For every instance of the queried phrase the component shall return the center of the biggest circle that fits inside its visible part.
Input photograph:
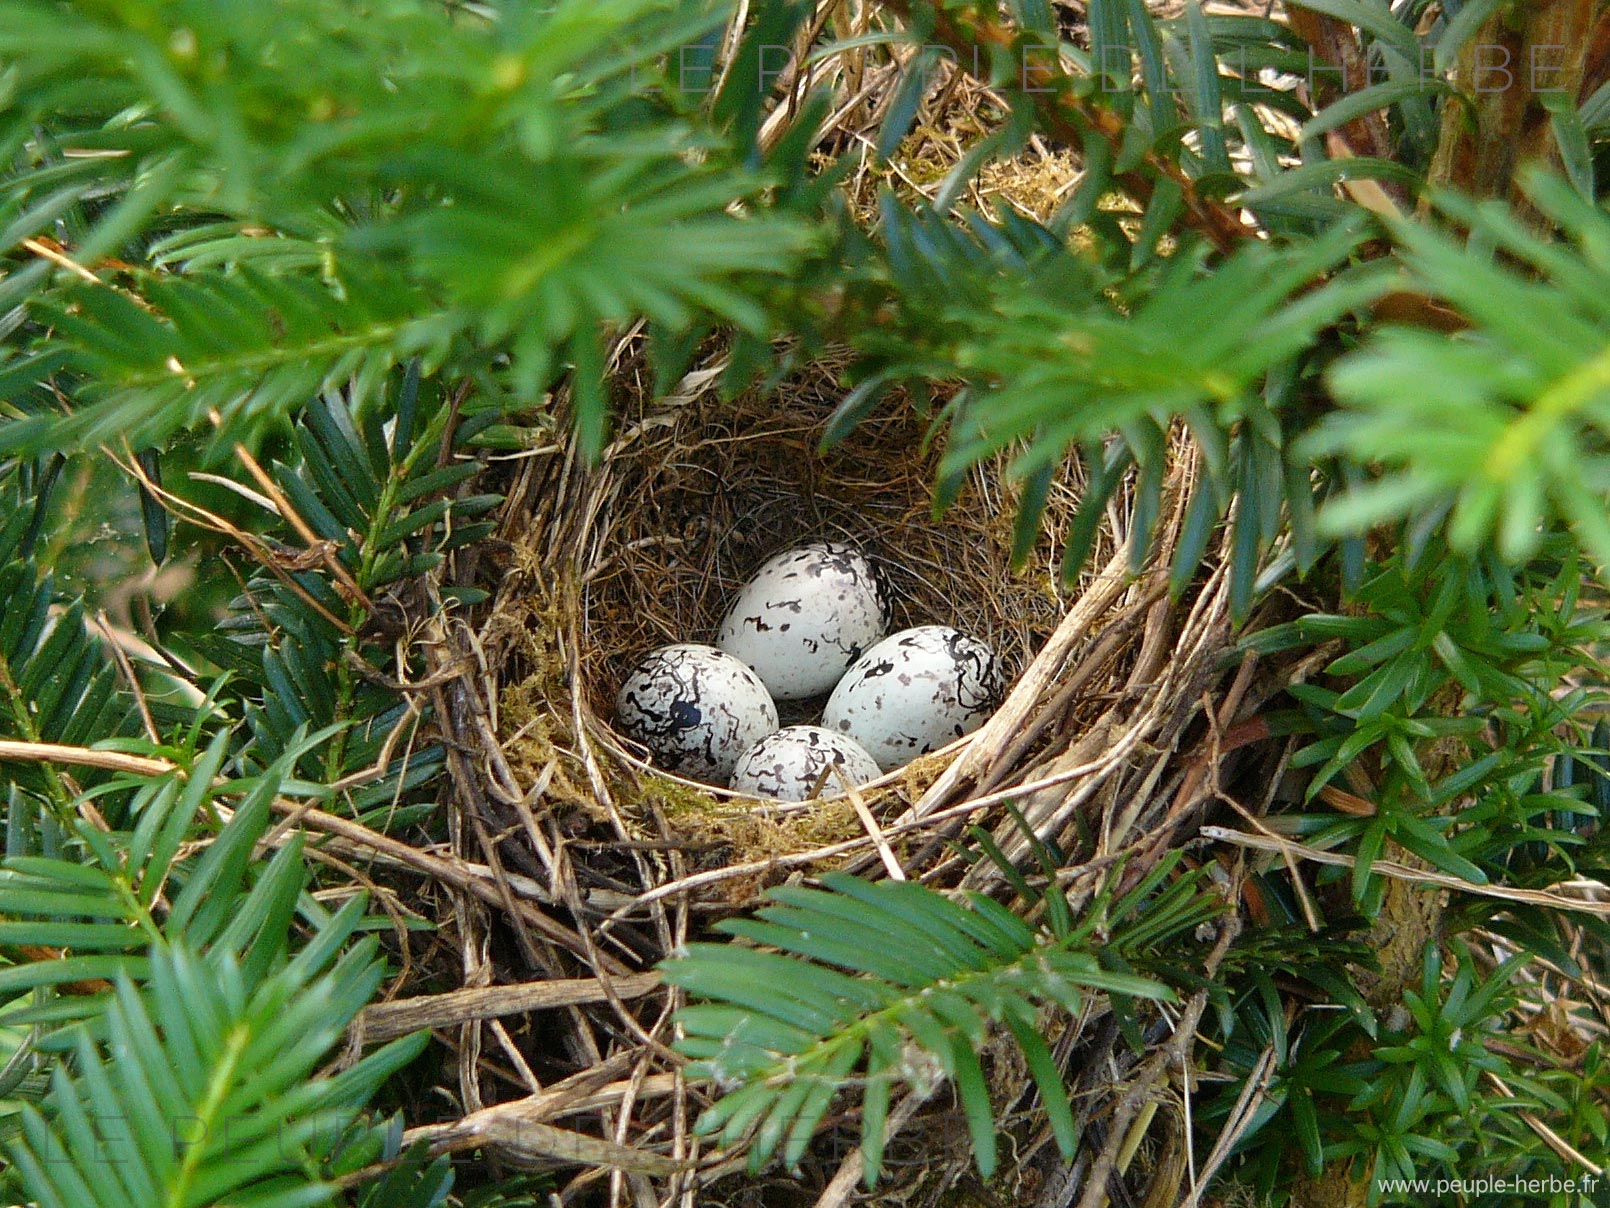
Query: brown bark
(1334, 42)
(1596, 69)
(1504, 73)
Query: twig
(241, 489)
(314, 543)
(443, 870)
(850, 1170)
(1551, 1138)
(61, 261)
(1402, 872)
(388, 1020)
(253, 544)
(136, 647)
(874, 832)
(1239, 1120)
(1334, 41)
(1174, 1055)
(1310, 910)
(86, 757)
(1113, 636)
(529, 1138)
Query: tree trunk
(1505, 74)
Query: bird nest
(1121, 701)
(648, 547)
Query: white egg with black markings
(914, 692)
(805, 616)
(799, 762)
(696, 709)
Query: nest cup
(694, 492)
(704, 491)
(1099, 748)
(649, 547)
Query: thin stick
(127, 669)
(388, 1020)
(111, 761)
(1240, 1118)
(873, 830)
(254, 545)
(849, 1172)
(1176, 1053)
(1402, 872)
(61, 261)
(313, 541)
(1553, 1139)
(443, 870)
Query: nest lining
(649, 547)
(705, 492)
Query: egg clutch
(812, 620)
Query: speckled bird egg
(696, 709)
(787, 765)
(914, 692)
(805, 616)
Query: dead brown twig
(1175, 1055)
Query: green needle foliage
(1431, 628)
(103, 905)
(190, 1078)
(432, 184)
(1049, 365)
(206, 1090)
(1520, 409)
(892, 985)
(1409, 1104)
(54, 684)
